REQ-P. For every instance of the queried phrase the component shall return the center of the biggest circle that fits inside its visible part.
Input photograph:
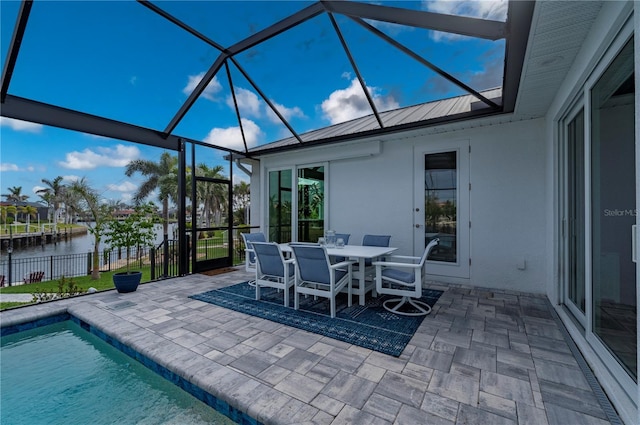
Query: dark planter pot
(127, 282)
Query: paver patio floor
(481, 357)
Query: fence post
(9, 271)
(152, 260)
(51, 267)
(89, 263)
(188, 257)
(165, 254)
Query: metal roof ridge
(311, 135)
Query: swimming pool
(61, 374)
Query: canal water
(80, 244)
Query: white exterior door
(441, 206)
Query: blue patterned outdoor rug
(369, 326)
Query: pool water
(61, 374)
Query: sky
(119, 60)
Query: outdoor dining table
(359, 253)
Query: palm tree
(241, 200)
(70, 199)
(5, 211)
(161, 175)
(89, 202)
(211, 195)
(54, 193)
(47, 198)
(30, 211)
(116, 205)
(15, 195)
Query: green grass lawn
(33, 227)
(10, 305)
(207, 249)
(82, 282)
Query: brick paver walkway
(481, 357)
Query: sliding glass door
(600, 208)
(574, 224)
(296, 204)
(280, 205)
(613, 209)
(310, 203)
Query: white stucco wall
(375, 194)
(508, 206)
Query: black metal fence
(18, 270)
(163, 260)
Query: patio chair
(250, 256)
(373, 240)
(345, 239)
(403, 277)
(34, 277)
(315, 275)
(272, 270)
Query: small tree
(88, 200)
(135, 230)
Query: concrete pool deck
(481, 357)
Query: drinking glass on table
(339, 243)
(321, 241)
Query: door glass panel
(441, 201)
(310, 204)
(212, 220)
(280, 187)
(576, 205)
(614, 209)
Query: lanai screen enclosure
(257, 56)
(513, 124)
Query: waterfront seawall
(20, 240)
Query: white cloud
(70, 178)
(490, 76)
(346, 75)
(209, 92)
(231, 137)
(123, 187)
(287, 113)
(36, 189)
(351, 103)
(485, 9)
(96, 136)
(248, 102)
(19, 125)
(5, 166)
(101, 157)
(389, 27)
